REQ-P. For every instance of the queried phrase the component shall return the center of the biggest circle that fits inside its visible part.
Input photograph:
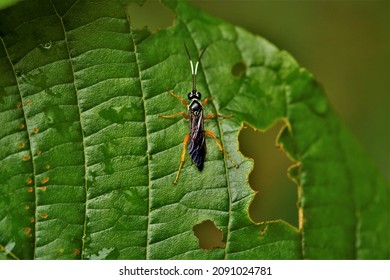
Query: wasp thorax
(195, 107)
(194, 95)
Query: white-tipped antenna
(194, 71)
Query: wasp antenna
(194, 71)
(189, 57)
(197, 63)
(202, 53)
(188, 53)
(192, 68)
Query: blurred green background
(345, 44)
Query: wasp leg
(209, 133)
(207, 100)
(212, 115)
(178, 97)
(183, 154)
(175, 115)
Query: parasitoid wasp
(195, 139)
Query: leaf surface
(87, 164)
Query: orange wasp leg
(178, 113)
(183, 154)
(209, 133)
(213, 115)
(175, 115)
(178, 97)
(207, 100)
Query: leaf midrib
(81, 127)
(228, 186)
(131, 33)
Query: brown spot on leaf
(43, 188)
(19, 105)
(263, 230)
(44, 216)
(26, 207)
(21, 145)
(21, 126)
(29, 181)
(26, 157)
(39, 152)
(30, 189)
(32, 220)
(27, 230)
(35, 130)
(44, 180)
(76, 251)
(28, 102)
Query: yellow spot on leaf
(27, 157)
(44, 180)
(27, 230)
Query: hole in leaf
(238, 69)
(209, 235)
(276, 196)
(152, 14)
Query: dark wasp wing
(197, 143)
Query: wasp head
(194, 94)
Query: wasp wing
(197, 143)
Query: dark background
(345, 44)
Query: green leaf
(7, 3)
(87, 164)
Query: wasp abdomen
(197, 144)
(197, 151)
